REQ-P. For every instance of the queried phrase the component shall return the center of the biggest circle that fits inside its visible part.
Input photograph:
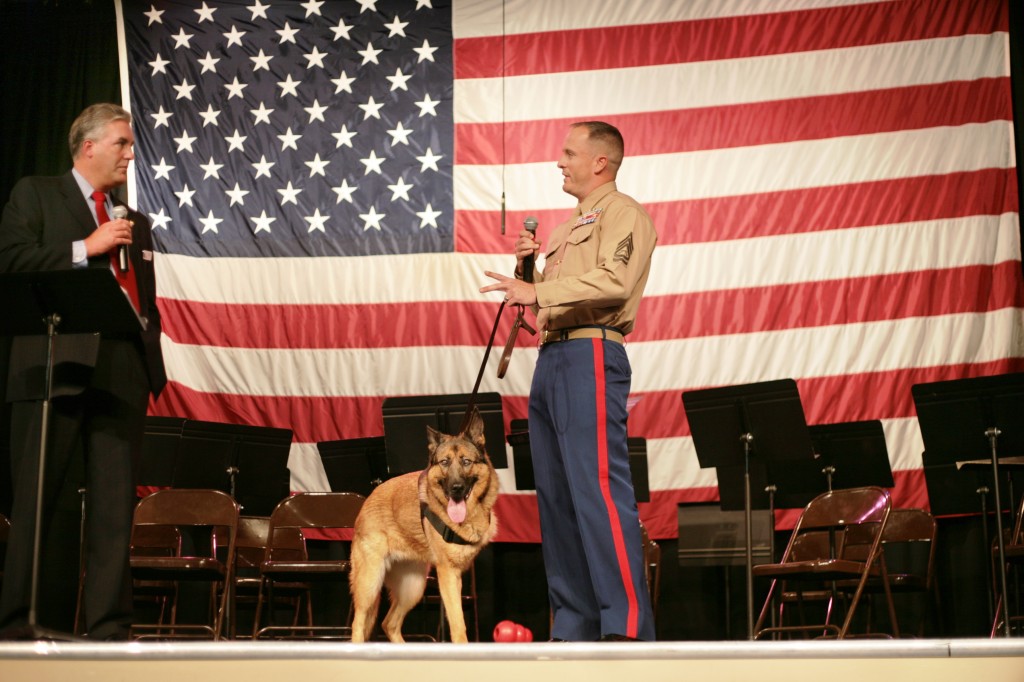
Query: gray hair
(91, 121)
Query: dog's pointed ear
(433, 440)
(475, 429)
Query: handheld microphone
(530, 225)
(120, 213)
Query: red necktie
(125, 279)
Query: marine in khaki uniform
(586, 298)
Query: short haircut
(91, 121)
(608, 135)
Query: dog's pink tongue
(457, 511)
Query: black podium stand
(732, 424)
(78, 301)
(975, 419)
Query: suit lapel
(75, 202)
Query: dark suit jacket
(44, 216)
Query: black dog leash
(529, 224)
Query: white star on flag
(185, 196)
(263, 222)
(261, 115)
(316, 112)
(372, 219)
(185, 141)
(399, 80)
(317, 166)
(344, 137)
(287, 34)
(315, 58)
(289, 194)
(316, 221)
(400, 190)
(160, 219)
(429, 160)
(205, 13)
(428, 216)
(182, 39)
(313, 7)
(159, 64)
(234, 88)
(396, 27)
(426, 52)
(212, 169)
(234, 37)
(210, 222)
(235, 141)
(162, 170)
(289, 139)
(400, 134)
(289, 86)
(209, 116)
(161, 117)
(372, 163)
(369, 54)
(371, 109)
(263, 167)
(209, 63)
(344, 192)
(237, 195)
(184, 90)
(154, 16)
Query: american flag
(833, 183)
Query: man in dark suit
(101, 383)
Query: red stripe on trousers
(613, 513)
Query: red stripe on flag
(312, 419)
(742, 125)
(990, 191)
(738, 37)
(979, 288)
(826, 400)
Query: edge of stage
(931, 660)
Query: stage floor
(850, 661)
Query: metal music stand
(354, 465)
(975, 419)
(846, 455)
(250, 463)
(730, 425)
(160, 442)
(406, 419)
(77, 301)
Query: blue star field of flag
(293, 128)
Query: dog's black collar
(447, 534)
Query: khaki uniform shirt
(596, 264)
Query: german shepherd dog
(441, 516)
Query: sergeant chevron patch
(624, 250)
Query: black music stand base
(732, 423)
